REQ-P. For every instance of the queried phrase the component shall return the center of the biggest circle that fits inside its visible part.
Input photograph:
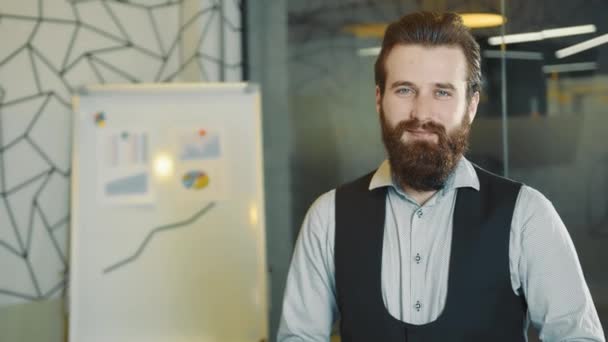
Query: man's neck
(421, 197)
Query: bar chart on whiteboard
(123, 166)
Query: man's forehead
(423, 65)
(453, 51)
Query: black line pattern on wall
(134, 44)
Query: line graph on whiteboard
(146, 241)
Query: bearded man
(429, 247)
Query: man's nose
(422, 108)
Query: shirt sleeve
(560, 306)
(309, 305)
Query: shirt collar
(463, 176)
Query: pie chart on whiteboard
(195, 180)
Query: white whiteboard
(177, 255)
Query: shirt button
(419, 213)
(418, 258)
(418, 306)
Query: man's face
(424, 113)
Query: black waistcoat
(480, 303)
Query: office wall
(49, 50)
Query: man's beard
(421, 164)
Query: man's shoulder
(534, 210)
(325, 203)
(533, 198)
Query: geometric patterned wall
(50, 48)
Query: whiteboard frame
(72, 311)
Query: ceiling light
(372, 51)
(540, 35)
(529, 55)
(549, 69)
(586, 45)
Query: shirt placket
(405, 239)
(416, 258)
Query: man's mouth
(419, 132)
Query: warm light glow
(253, 215)
(482, 20)
(367, 30)
(163, 165)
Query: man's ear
(473, 103)
(378, 99)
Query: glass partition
(541, 119)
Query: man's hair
(431, 29)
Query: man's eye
(442, 93)
(404, 91)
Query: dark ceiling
(311, 18)
(324, 20)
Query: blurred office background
(542, 118)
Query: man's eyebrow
(448, 85)
(403, 83)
